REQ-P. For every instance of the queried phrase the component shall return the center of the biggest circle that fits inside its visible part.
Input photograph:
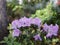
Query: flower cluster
(23, 22)
(51, 30)
(37, 37)
(16, 32)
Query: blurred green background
(47, 10)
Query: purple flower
(56, 28)
(37, 37)
(52, 30)
(16, 33)
(45, 27)
(16, 24)
(24, 22)
(36, 21)
(49, 35)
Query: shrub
(27, 31)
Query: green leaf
(2, 42)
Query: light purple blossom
(45, 27)
(49, 35)
(56, 28)
(24, 22)
(52, 30)
(16, 33)
(37, 37)
(16, 24)
(36, 21)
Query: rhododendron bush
(31, 31)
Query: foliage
(45, 14)
(32, 31)
(10, 41)
(27, 31)
(14, 9)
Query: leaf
(55, 40)
(2, 42)
(16, 43)
(9, 27)
(6, 39)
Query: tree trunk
(3, 19)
